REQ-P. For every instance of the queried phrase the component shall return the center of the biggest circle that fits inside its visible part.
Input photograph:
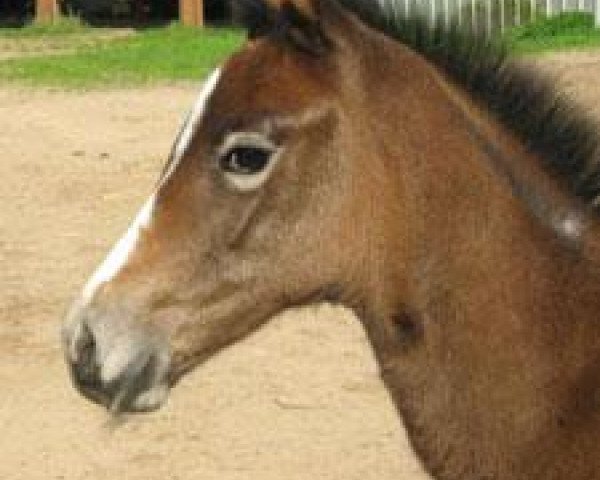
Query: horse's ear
(295, 22)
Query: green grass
(149, 56)
(69, 54)
(564, 31)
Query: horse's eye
(245, 160)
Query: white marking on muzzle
(120, 253)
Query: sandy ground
(300, 399)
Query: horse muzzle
(121, 366)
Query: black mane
(548, 123)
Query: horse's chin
(148, 401)
(130, 393)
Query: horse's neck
(487, 354)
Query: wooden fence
(490, 15)
(191, 12)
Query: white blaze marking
(193, 120)
(118, 256)
(121, 252)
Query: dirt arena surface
(300, 399)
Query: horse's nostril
(123, 372)
(86, 366)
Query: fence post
(191, 12)
(433, 13)
(488, 5)
(446, 7)
(46, 10)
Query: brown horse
(448, 196)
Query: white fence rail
(492, 15)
